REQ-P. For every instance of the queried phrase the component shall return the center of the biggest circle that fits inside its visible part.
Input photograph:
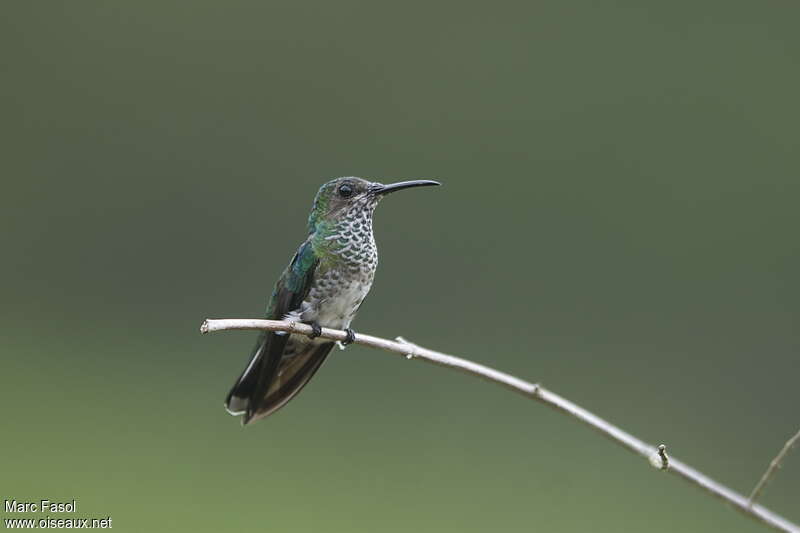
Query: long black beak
(379, 188)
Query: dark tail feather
(239, 396)
(275, 374)
(293, 374)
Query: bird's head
(341, 198)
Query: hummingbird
(324, 285)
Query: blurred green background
(619, 222)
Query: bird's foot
(350, 338)
(316, 330)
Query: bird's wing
(290, 291)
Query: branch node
(659, 458)
(409, 355)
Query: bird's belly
(335, 307)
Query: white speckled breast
(337, 292)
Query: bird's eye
(345, 190)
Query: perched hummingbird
(324, 285)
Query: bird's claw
(350, 338)
(316, 330)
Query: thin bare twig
(531, 390)
(774, 465)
